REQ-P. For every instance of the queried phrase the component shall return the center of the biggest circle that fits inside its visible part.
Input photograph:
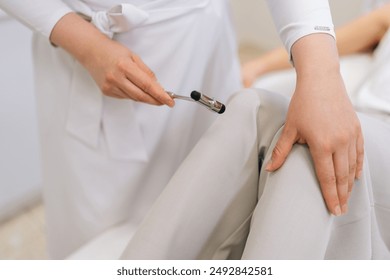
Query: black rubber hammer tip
(195, 95)
(223, 108)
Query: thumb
(281, 150)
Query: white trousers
(217, 206)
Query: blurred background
(22, 233)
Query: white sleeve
(39, 15)
(295, 19)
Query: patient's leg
(291, 220)
(205, 210)
(377, 137)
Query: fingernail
(344, 209)
(337, 210)
(349, 195)
(359, 174)
(268, 166)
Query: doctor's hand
(122, 74)
(117, 71)
(321, 115)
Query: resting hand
(116, 70)
(321, 116)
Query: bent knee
(260, 99)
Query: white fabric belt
(119, 18)
(123, 17)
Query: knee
(298, 175)
(245, 99)
(261, 100)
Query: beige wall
(254, 23)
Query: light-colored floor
(23, 237)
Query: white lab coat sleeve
(39, 15)
(295, 19)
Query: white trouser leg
(204, 212)
(291, 220)
(290, 209)
(207, 207)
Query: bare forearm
(77, 36)
(276, 59)
(364, 33)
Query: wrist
(78, 37)
(316, 56)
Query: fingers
(359, 155)
(352, 166)
(130, 78)
(342, 172)
(336, 174)
(281, 149)
(144, 67)
(136, 93)
(325, 170)
(146, 81)
(336, 171)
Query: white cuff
(295, 19)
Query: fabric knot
(118, 19)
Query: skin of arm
(321, 115)
(360, 35)
(117, 71)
